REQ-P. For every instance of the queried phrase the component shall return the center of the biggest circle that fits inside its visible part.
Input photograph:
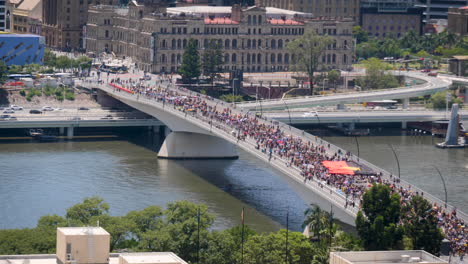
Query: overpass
(369, 116)
(431, 85)
(199, 135)
(71, 123)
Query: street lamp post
(443, 182)
(269, 92)
(397, 160)
(289, 113)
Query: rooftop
(29, 4)
(385, 257)
(225, 10)
(150, 258)
(75, 231)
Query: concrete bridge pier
(404, 125)
(61, 130)
(340, 106)
(70, 132)
(406, 102)
(187, 145)
(352, 126)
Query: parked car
(16, 108)
(9, 111)
(34, 111)
(47, 108)
(83, 108)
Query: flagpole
(242, 237)
(198, 240)
(287, 234)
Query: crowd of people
(306, 155)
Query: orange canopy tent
(339, 167)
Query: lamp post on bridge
(443, 182)
(397, 160)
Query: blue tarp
(18, 49)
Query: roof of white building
(225, 10)
(75, 231)
(152, 257)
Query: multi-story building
(64, 22)
(458, 20)
(27, 17)
(4, 15)
(318, 8)
(381, 18)
(253, 38)
(438, 9)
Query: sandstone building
(253, 38)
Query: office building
(253, 38)
(381, 18)
(458, 20)
(438, 9)
(64, 22)
(384, 257)
(27, 17)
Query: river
(46, 178)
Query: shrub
(23, 92)
(70, 96)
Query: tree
(307, 51)
(147, 219)
(333, 76)
(420, 225)
(3, 71)
(91, 207)
(212, 59)
(377, 223)
(438, 100)
(63, 62)
(190, 67)
(360, 35)
(376, 78)
(49, 58)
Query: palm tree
(317, 220)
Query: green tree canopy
(190, 67)
(378, 228)
(91, 207)
(438, 100)
(307, 51)
(360, 35)
(212, 59)
(376, 78)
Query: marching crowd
(271, 139)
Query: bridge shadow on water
(249, 180)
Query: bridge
(199, 135)
(363, 116)
(70, 121)
(431, 85)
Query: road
(432, 85)
(369, 116)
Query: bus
(388, 104)
(19, 76)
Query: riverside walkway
(294, 152)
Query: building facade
(438, 9)
(27, 17)
(64, 21)
(385, 22)
(458, 20)
(253, 39)
(318, 8)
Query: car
(76, 118)
(83, 108)
(426, 70)
(13, 118)
(4, 117)
(433, 74)
(16, 108)
(47, 108)
(9, 111)
(34, 111)
(392, 107)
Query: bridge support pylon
(406, 103)
(186, 145)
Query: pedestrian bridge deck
(330, 194)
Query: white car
(16, 108)
(47, 108)
(310, 114)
